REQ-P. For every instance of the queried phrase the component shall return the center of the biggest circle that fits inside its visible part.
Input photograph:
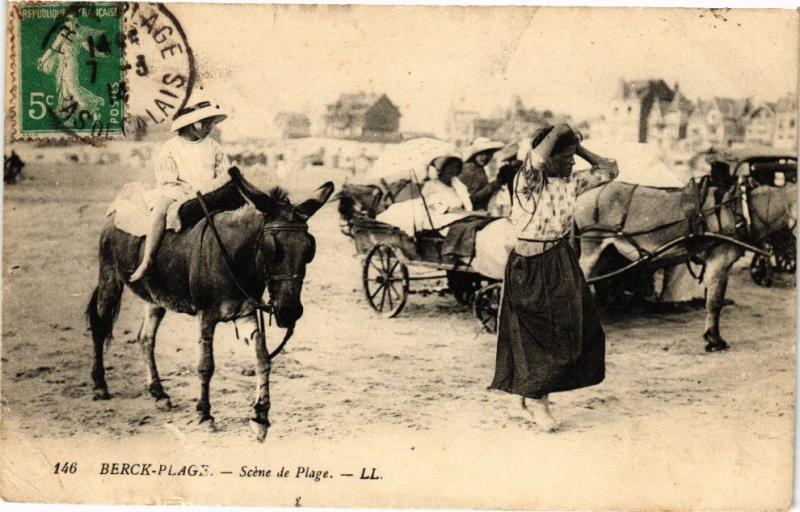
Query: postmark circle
(160, 69)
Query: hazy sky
(260, 59)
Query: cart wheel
(785, 255)
(487, 306)
(787, 263)
(385, 280)
(761, 270)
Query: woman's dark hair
(442, 163)
(565, 141)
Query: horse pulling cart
(764, 166)
(710, 222)
(389, 255)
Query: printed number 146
(68, 468)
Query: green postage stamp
(69, 67)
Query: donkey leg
(205, 366)
(101, 313)
(153, 315)
(260, 423)
(718, 266)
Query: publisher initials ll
(370, 476)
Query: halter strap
(284, 226)
(276, 227)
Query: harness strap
(745, 198)
(226, 257)
(610, 233)
(596, 212)
(698, 276)
(624, 219)
(259, 304)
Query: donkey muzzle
(286, 316)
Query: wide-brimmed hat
(197, 112)
(482, 145)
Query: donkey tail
(101, 315)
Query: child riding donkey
(188, 163)
(214, 263)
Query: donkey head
(286, 247)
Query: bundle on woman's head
(567, 140)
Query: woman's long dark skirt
(549, 334)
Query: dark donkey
(269, 247)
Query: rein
(741, 196)
(660, 227)
(261, 307)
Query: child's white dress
(184, 167)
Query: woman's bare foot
(539, 411)
(140, 271)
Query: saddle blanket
(132, 210)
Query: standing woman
(549, 334)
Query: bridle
(278, 227)
(258, 303)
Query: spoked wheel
(487, 306)
(785, 254)
(385, 280)
(787, 262)
(761, 270)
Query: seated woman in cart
(444, 200)
(445, 194)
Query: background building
(760, 129)
(631, 108)
(649, 111)
(512, 124)
(786, 122)
(292, 125)
(363, 116)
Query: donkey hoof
(208, 421)
(717, 346)
(163, 404)
(259, 429)
(101, 394)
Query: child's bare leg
(157, 226)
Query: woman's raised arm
(603, 170)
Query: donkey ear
(310, 206)
(250, 193)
